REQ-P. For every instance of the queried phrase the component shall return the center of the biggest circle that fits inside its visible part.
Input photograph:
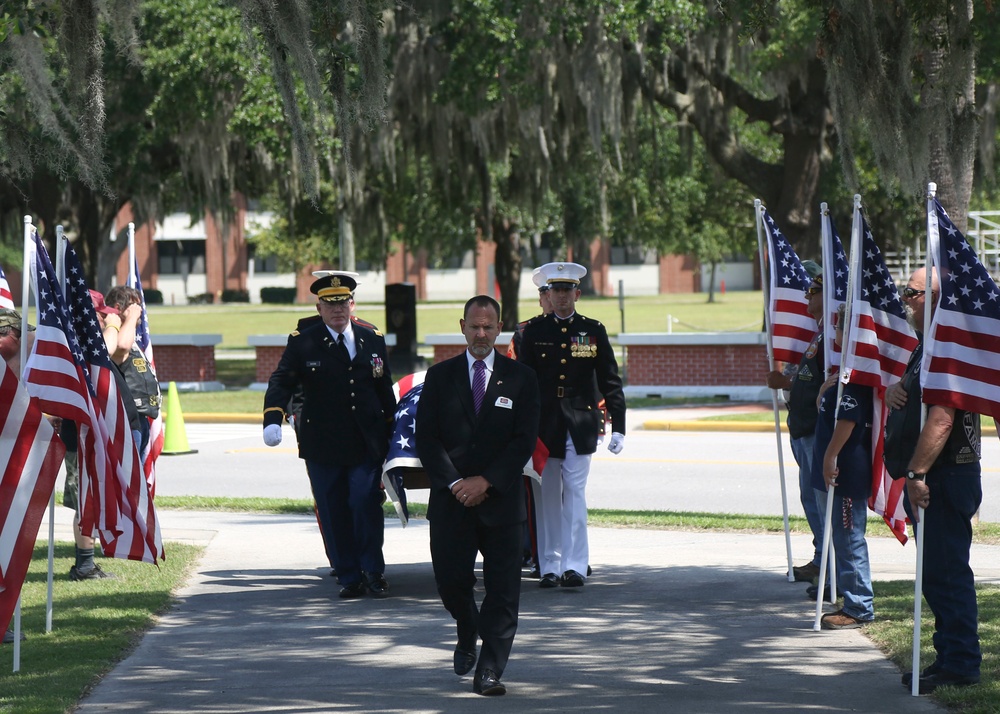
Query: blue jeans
(854, 574)
(949, 584)
(349, 507)
(802, 449)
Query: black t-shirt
(802, 412)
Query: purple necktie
(478, 384)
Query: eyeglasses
(909, 292)
(813, 291)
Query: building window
(180, 257)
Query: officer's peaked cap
(337, 287)
(563, 273)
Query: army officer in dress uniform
(575, 364)
(344, 430)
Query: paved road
(671, 470)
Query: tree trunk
(949, 99)
(508, 267)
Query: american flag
(110, 474)
(6, 299)
(879, 343)
(403, 447)
(792, 328)
(30, 456)
(961, 365)
(834, 289)
(155, 445)
(880, 340)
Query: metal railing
(983, 233)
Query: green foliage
(278, 295)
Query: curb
(652, 425)
(221, 418)
(737, 426)
(694, 425)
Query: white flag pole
(766, 282)
(827, 558)
(131, 255)
(26, 268)
(50, 580)
(933, 245)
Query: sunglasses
(813, 291)
(909, 292)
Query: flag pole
(765, 281)
(131, 255)
(827, 556)
(23, 356)
(829, 284)
(918, 580)
(50, 578)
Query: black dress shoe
(929, 670)
(353, 590)
(813, 590)
(943, 678)
(464, 660)
(572, 579)
(549, 580)
(488, 684)
(377, 584)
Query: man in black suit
(348, 412)
(476, 429)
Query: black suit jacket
(348, 407)
(454, 442)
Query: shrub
(283, 296)
(153, 296)
(235, 296)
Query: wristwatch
(915, 476)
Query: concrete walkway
(670, 621)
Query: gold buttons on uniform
(562, 376)
(564, 329)
(562, 361)
(563, 345)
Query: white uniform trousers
(562, 527)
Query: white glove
(617, 443)
(272, 434)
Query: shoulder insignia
(377, 332)
(295, 333)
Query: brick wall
(187, 359)
(697, 365)
(267, 361)
(184, 363)
(443, 352)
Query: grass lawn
(95, 624)
(734, 311)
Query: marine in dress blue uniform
(347, 417)
(572, 357)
